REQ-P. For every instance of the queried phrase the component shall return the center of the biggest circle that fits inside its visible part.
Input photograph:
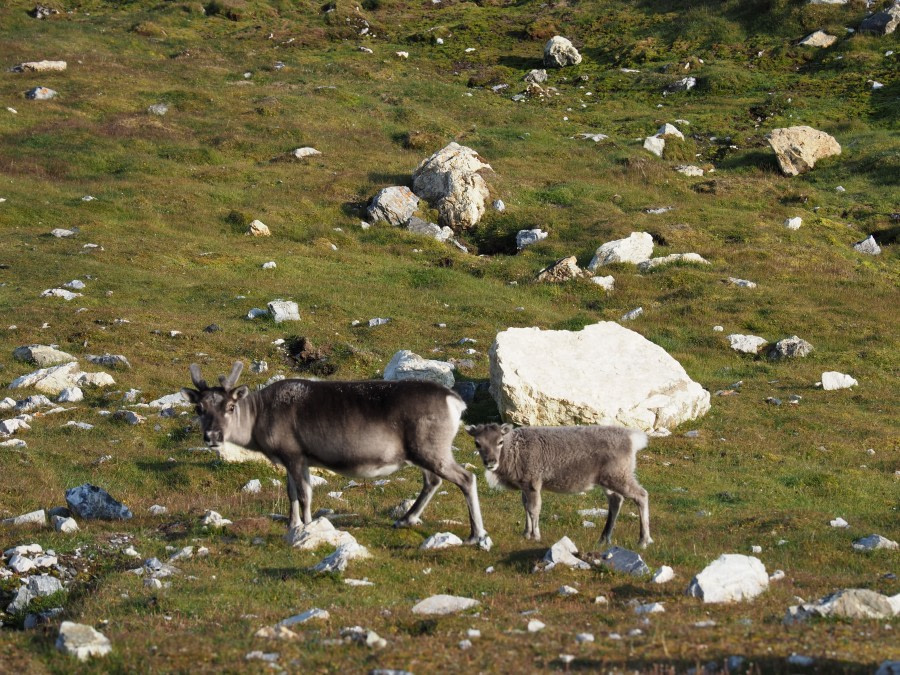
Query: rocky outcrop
(452, 181)
(882, 23)
(799, 148)
(602, 374)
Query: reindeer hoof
(407, 522)
(484, 542)
(643, 542)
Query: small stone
(747, 344)
(793, 223)
(70, 395)
(581, 638)
(535, 626)
(567, 591)
(443, 604)
(214, 520)
(730, 578)
(525, 238)
(271, 265)
(832, 380)
(868, 246)
(65, 525)
(839, 522)
(651, 608)
(623, 560)
(689, 170)
(314, 614)
(440, 540)
(158, 109)
(252, 487)
(874, 542)
(38, 517)
(284, 310)
(302, 153)
(62, 233)
(92, 502)
(40, 94)
(663, 575)
(632, 315)
(257, 228)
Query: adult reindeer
(360, 429)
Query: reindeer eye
(230, 408)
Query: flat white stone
(550, 378)
(650, 608)
(320, 532)
(635, 248)
(874, 542)
(535, 626)
(314, 614)
(832, 380)
(252, 487)
(672, 258)
(405, 365)
(793, 223)
(689, 170)
(343, 554)
(663, 575)
(741, 283)
(214, 520)
(747, 344)
(284, 310)
(669, 130)
(443, 604)
(81, 641)
(730, 578)
(525, 238)
(839, 522)
(607, 283)
(440, 540)
(307, 151)
(60, 293)
(655, 144)
(70, 395)
(38, 517)
(563, 553)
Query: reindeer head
(489, 442)
(215, 405)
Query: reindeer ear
(506, 428)
(239, 393)
(472, 430)
(190, 395)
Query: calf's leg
(615, 503)
(295, 502)
(531, 498)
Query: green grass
(174, 195)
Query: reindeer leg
(430, 484)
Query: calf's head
(215, 405)
(489, 442)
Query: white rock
(853, 603)
(343, 554)
(635, 248)
(525, 238)
(443, 604)
(320, 532)
(818, 39)
(40, 94)
(874, 542)
(157, 510)
(839, 522)
(258, 228)
(655, 144)
(300, 153)
(82, 641)
(663, 575)
(832, 380)
(669, 130)
(158, 109)
(284, 310)
(170, 401)
(314, 614)
(581, 638)
(650, 608)
(797, 149)
(689, 170)
(402, 55)
(793, 223)
(563, 553)
(62, 233)
(673, 258)
(747, 344)
(42, 356)
(440, 540)
(499, 206)
(75, 284)
(632, 315)
(60, 293)
(559, 52)
(38, 517)
(39, 67)
(567, 591)
(70, 395)
(535, 626)
(592, 137)
(20, 564)
(214, 520)
(730, 578)
(741, 283)
(405, 365)
(550, 378)
(623, 560)
(607, 283)
(65, 525)
(271, 265)
(13, 425)
(868, 246)
(94, 380)
(252, 487)
(452, 180)
(395, 204)
(49, 380)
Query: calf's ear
(190, 395)
(239, 393)
(471, 430)
(506, 428)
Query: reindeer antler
(231, 380)
(196, 378)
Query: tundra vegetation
(173, 195)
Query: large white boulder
(42, 355)
(452, 181)
(799, 148)
(395, 204)
(636, 248)
(730, 578)
(82, 641)
(602, 374)
(559, 52)
(406, 365)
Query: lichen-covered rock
(818, 39)
(559, 52)
(799, 148)
(452, 180)
(42, 355)
(94, 503)
(564, 269)
(602, 374)
(426, 229)
(790, 348)
(851, 603)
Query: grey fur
(362, 429)
(565, 459)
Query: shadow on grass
(521, 63)
(389, 179)
(524, 559)
(758, 159)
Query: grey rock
(498, 206)
(129, 417)
(888, 668)
(526, 238)
(82, 641)
(868, 246)
(564, 269)
(466, 390)
(536, 76)
(21, 600)
(874, 542)
(42, 355)
(42, 618)
(882, 23)
(396, 205)
(109, 360)
(314, 614)
(790, 348)
(452, 180)
(157, 569)
(623, 560)
(853, 603)
(426, 229)
(62, 233)
(440, 605)
(158, 109)
(684, 84)
(94, 503)
(379, 321)
(33, 403)
(43, 585)
(632, 315)
(559, 52)
(563, 553)
(40, 94)
(343, 554)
